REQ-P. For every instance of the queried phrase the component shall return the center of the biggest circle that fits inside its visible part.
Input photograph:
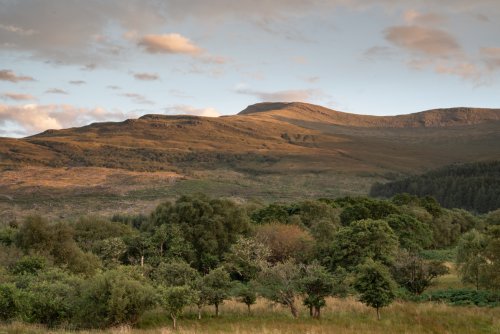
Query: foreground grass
(340, 316)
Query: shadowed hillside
(268, 151)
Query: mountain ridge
(285, 150)
(440, 117)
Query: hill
(269, 151)
(473, 186)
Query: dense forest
(473, 187)
(197, 251)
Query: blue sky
(69, 63)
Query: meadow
(343, 316)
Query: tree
(209, 226)
(175, 273)
(285, 241)
(375, 285)
(246, 294)
(414, 273)
(470, 257)
(317, 283)
(413, 235)
(175, 298)
(216, 287)
(246, 258)
(280, 284)
(491, 278)
(362, 239)
(110, 250)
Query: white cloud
(33, 118)
(190, 110)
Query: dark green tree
(362, 239)
(413, 235)
(210, 226)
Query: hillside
(267, 151)
(474, 186)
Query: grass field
(343, 316)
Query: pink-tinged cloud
(146, 76)
(415, 17)
(169, 43)
(19, 96)
(33, 118)
(8, 75)
(190, 110)
(425, 41)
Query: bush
(464, 297)
(8, 302)
(112, 298)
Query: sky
(66, 63)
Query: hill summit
(430, 118)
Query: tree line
(199, 251)
(473, 186)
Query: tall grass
(342, 316)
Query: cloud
(17, 30)
(413, 16)
(179, 93)
(168, 43)
(146, 76)
(425, 41)
(77, 82)
(377, 52)
(312, 79)
(189, 110)
(19, 96)
(33, 118)
(294, 95)
(8, 75)
(56, 91)
(435, 49)
(138, 98)
(491, 57)
(65, 31)
(113, 87)
(301, 60)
